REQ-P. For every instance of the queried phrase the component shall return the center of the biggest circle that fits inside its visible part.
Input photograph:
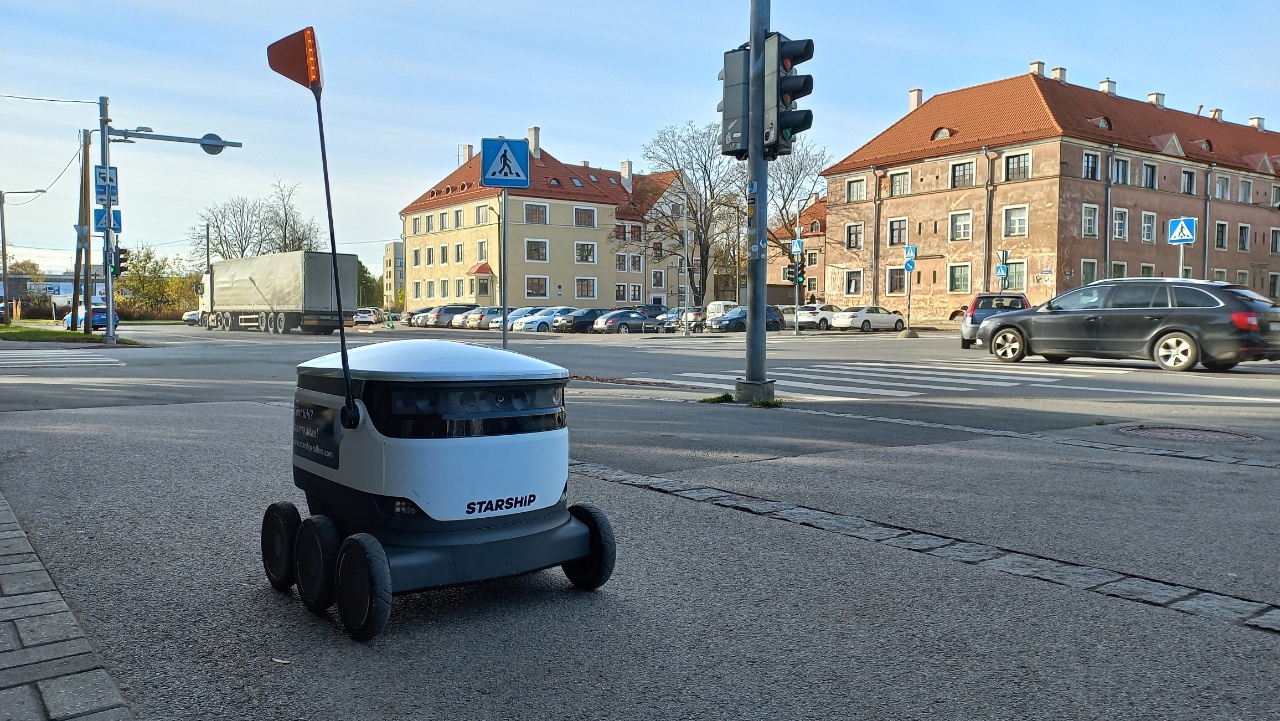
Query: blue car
(99, 319)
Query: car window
(1138, 295)
(1250, 296)
(1085, 298)
(1185, 297)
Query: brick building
(1076, 184)
(813, 233)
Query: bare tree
(235, 228)
(792, 178)
(283, 227)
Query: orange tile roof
(817, 211)
(1033, 107)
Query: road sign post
(1182, 232)
(503, 164)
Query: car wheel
(543, 327)
(823, 324)
(1176, 352)
(740, 328)
(314, 555)
(899, 325)
(965, 344)
(624, 328)
(1009, 345)
(363, 580)
(594, 569)
(866, 326)
(773, 326)
(1218, 367)
(279, 532)
(1056, 358)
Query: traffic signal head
(800, 272)
(121, 263)
(733, 107)
(782, 87)
(789, 273)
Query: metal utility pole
(82, 234)
(502, 263)
(688, 269)
(755, 386)
(108, 236)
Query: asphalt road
(142, 486)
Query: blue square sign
(504, 163)
(1182, 231)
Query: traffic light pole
(108, 236)
(754, 386)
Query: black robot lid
(433, 361)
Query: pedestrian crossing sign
(1182, 230)
(504, 163)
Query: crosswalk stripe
(1135, 391)
(947, 373)
(908, 375)
(802, 373)
(995, 371)
(1055, 369)
(54, 358)
(727, 387)
(814, 386)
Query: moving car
(191, 317)
(735, 321)
(985, 305)
(816, 316)
(365, 316)
(579, 321)
(623, 321)
(867, 318)
(542, 320)
(99, 318)
(1175, 322)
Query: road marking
(1006, 367)
(727, 387)
(908, 374)
(807, 373)
(1244, 399)
(812, 386)
(54, 358)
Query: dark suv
(983, 306)
(1175, 322)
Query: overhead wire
(49, 100)
(55, 180)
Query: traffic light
(800, 271)
(789, 273)
(121, 262)
(733, 108)
(782, 87)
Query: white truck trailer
(278, 293)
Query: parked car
(816, 316)
(542, 320)
(983, 306)
(1175, 322)
(868, 318)
(366, 316)
(624, 321)
(717, 308)
(579, 321)
(735, 321)
(513, 316)
(98, 318)
(695, 316)
(442, 316)
(480, 318)
(669, 322)
(191, 317)
(406, 318)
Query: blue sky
(407, 82)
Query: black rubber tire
(282, 323)
(823, 324)
(1175, 352)
(773, 326)
(262, 322)
(271, 323)
(624, 328)
(1009, 345)
(965, 344)
(314, 555)
(543, 327)
(899, 325)
(865, 327)
(330, 331)
(363, 582)
(1056, 358)
(740, 328)
(593, 570)
(279, 531)
(1218, 367)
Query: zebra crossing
(863, 380)
(54, 358)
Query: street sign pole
(108, 237)
(502, 261)
(754, 386)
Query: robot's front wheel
(279, 531)
(364, 586)
(594, 569)
(314, 555)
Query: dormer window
(1205, 145)
(1102, 122)
(942, 134)
(815, 227)
(553, 181)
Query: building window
(962, 175)
(1120, 224)
(444, 255)
(855, 190)
(1186, 271)
(428, 224)
(482, 286)
(961, 226)
(1147, 270)
(417, 289)
(471, 285)
(458, 288)
(535, 213)
(1222, 188)
(1088, 271)
(620, 292)
(444, 221)
(899, 184)
(1017, 278)
(958, 278)
(417, 224)
(637, 263)
(1242, 238)
(428, 256)
(584, 217)
(431, 289)
(1148, 227)
(1242, 277)
(657, 250)
(637, 292)
(1090, 166)
(1188, 182)
(853, 282)
(898, 231)
(620, 262)
(1246, 191)
(1119, 171)
(1220, 274)
(584, 287)
(1015, 221)
(1275, 196)
(853, 236)
(457, 253)
(417, 257)
(1149, 176)
(811, 283)
(1089, 221)
(1220, 236)
(812, 259)
(457, 218)
(482, 250)
(815, 227)
(1275, 241)
(584, 252)
(897, 281)
(658, 279)
(482, 214)
(535, 250)
(535, 286)
(1017, 167)
(1119, 270)
(444, 289)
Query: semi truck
(278, 293)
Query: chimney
(916, 96)
(586, 163)
(471, 151)
(1257, 123)
(1060, 74)
(1037, 68)
(1156, 99)
(626, 175)
(1108, 86)
(1215, 114)
(535, 149)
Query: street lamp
(4, 253)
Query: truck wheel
(206, 320)
(262, 322)
(279, 532)
(282, 323)
(594, 569)
(363, 586)
(314, 554)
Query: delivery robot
(428, 464)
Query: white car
(868, 318)
(513, 316)
(365, 316)
(816, 316)
(542, 320)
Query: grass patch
(1099, 423)
(722, 398)
(765, 403)
(26, 334)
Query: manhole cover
(1178, 433)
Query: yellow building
(575, 237)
